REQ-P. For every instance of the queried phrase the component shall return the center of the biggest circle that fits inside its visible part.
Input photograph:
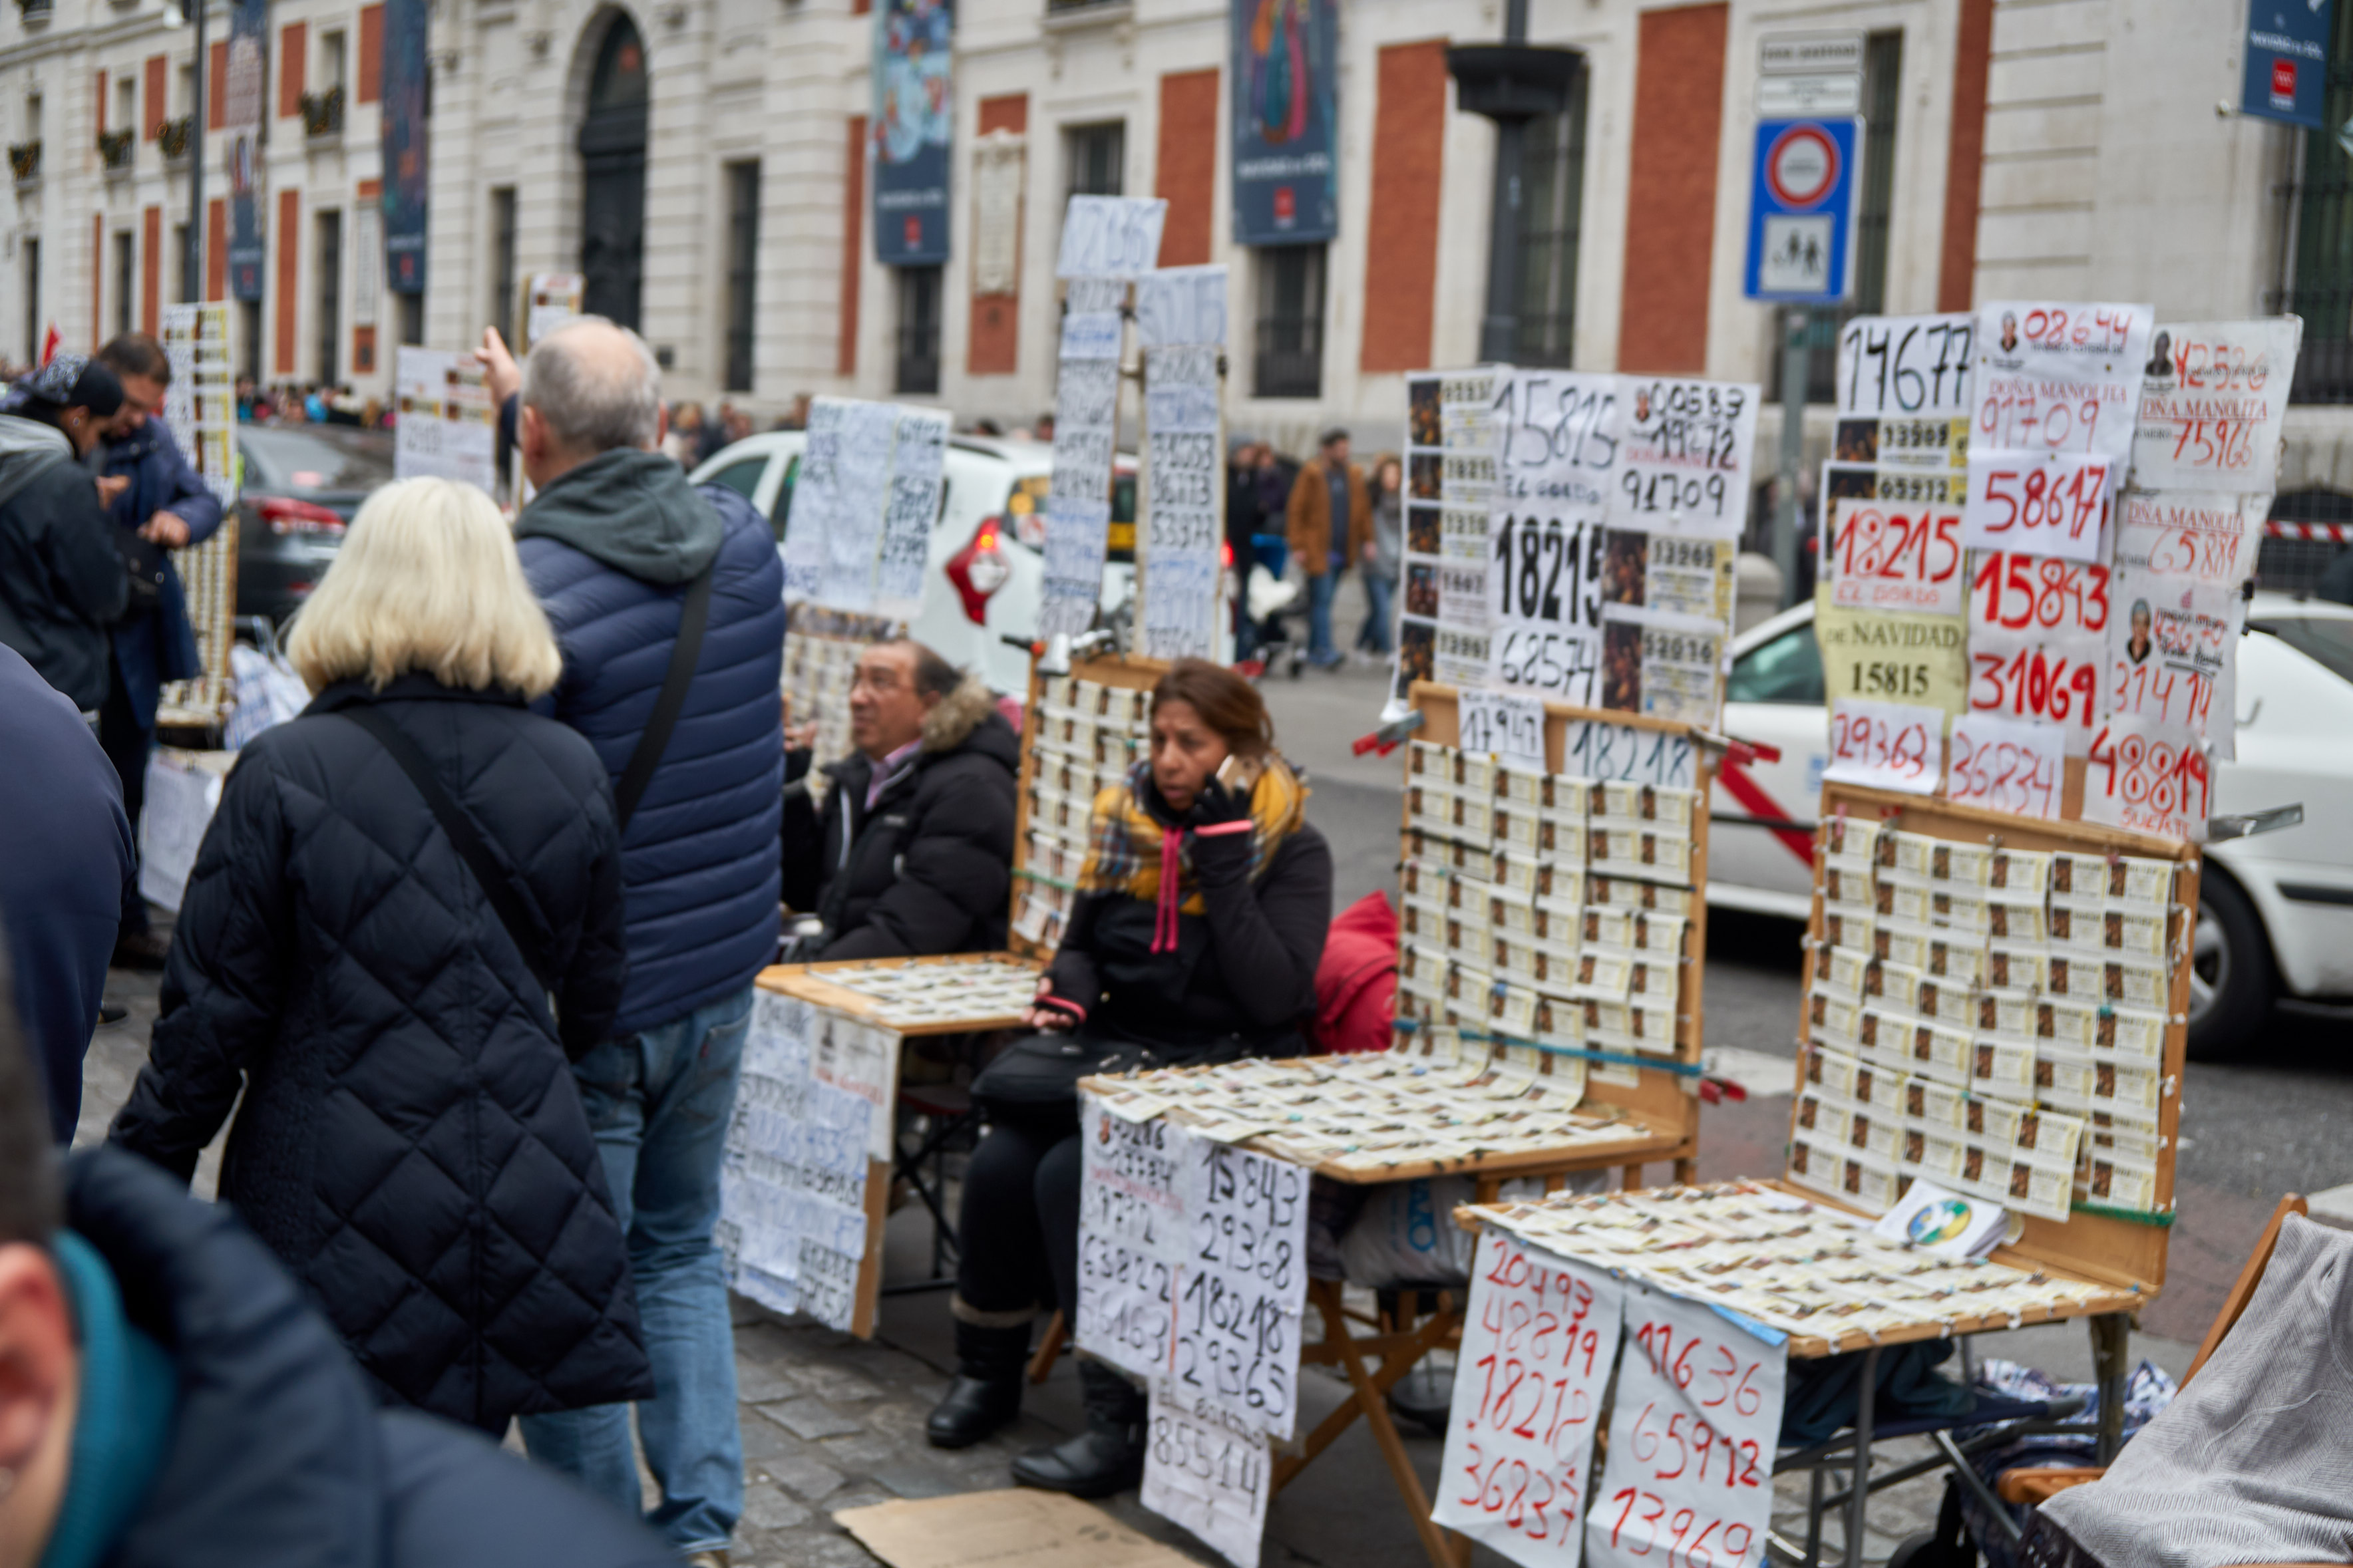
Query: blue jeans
(659, 1103)
(1319, 589)
(1374, 636)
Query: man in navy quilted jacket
(614, 543)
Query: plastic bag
(267, 692)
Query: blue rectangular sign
(1801, 210)
(2287, 61)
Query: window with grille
(502, 264)
(1552, 188)
(330, 280)
(743, 270)
(1289, 358)
(124, 271)
(919, 330)
(1097, 159)
(1883, 94)
(2321, 203)
(30, 249)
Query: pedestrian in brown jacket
(1326, 487)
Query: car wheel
(2229, 971)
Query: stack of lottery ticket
(906, 994)
(2003, 1012)
(1084, 736)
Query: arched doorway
(613, 171)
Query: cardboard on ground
(985, 1529)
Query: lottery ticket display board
(806, 1183)
(2035, 531)
(1080, 734)
(200, 408)
(822, 649)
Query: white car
(982, 581)
(2275, 911)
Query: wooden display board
(209, 578)
(1666, 1100)
(1122, 673)
(2127, 1253)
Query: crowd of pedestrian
(465, 968)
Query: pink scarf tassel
(1164, 915)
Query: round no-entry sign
(1802, 166)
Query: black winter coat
(411, 1143)
(930, 868)
(61, 582)
(277, 1456)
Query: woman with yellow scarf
(1195, 936)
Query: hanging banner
(1286, 68)
(249, 55)
(407, 196)
(913, 127)
(2287, 62)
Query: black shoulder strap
(695, 618)
(524, 928)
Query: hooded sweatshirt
(61, 582)
(632, 510)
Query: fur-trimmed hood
(959, 713)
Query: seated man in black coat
(171, 1398)
(913, 853)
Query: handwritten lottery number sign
(1243, 1286)
(2150, 777)
(1536, 1358)
(1595, 750)
(1504, 724)
(2046, 504)
(2037, 640)
(2170, 655)
(1132, 1238)
(2058, 378)
(1904, 389)
(1683, 467)
(1886, 745)
(1689, 1482)
(1209, 1470)
(1896, 555)
(2013, 765)
(2213, 397)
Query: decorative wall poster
(1684, 465)
(242, 83)
(1180, 316)
(1886, 745)
(446, 428)
(1208, 1471)
(1106, 242)
(1537, 1350)
(407, 179)
(200, 404)
(1903, 391)
(915, 123)
(1417, 601)
(2213, 396)
(792, 1228)
(918, 490)
(1286, 130)
(1132, 1236)
(1692, 1440)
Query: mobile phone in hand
(1240, 774)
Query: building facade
(709, 165)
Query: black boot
(987, 1393)
(1108, 1456)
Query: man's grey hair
(591, 401)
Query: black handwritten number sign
(1594, 750)
(1541, 1338)
(1243, 1287)
(1689, 1482)
(1502, 724)
(1132, 1236)
(1110, 237)
(1904, 365)
(1559, 435)
(1208, 1471)
(1683, 467)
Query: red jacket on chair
(1355, 984)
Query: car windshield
(314, 462)
(2326, 640)
(1787, 668)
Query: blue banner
(242, 110)
(915, 119)
(406, 195)
(1286, 68)
(2287, 61)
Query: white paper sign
(2017, 765)
(1896, 555)
(2213, 397)
(1132, 1238)
(1537, 1347)
(2054, 377)
(1244, 1285)
(1886, 745)
(1208, 1471)
(447, 429)
(2037, 640)
(2044, 503)
(1111, 237)
(1544, 583)
(1904, 366)
(2210, 536)
(1182, 532)
(1684, 464)
(1504, 724)
(2150, 777)
(181, 800)
(918, 452)
(1689, 1482)
(2173, 649)
(1086, 417)
(1595, 749)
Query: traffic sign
(1801, 210)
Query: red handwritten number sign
(1689, 1482)
(1536, 1358)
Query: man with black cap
(61, 582)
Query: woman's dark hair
(1226, 702)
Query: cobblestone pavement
(832, 1423)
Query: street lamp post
(1510, 83)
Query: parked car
(987, 555)
(2275, 911)
(301, 486)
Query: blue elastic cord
(1616, 1058)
